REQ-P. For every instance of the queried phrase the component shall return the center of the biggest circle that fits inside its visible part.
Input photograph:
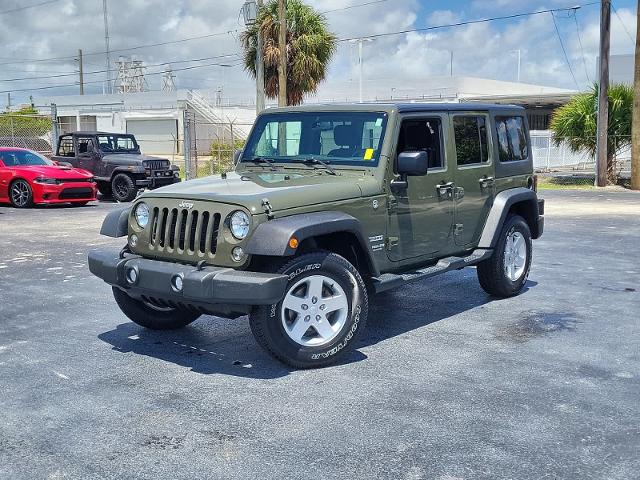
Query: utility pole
(603, 96)
(451, 63)
(282, 45)
(519, 53)
(80, 71)
(635, 129)
(106, 45)
(259, 65)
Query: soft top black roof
(396, 106)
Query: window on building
(512, 139)
(471, 139)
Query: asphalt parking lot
(445, 384)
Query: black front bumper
(157, 182)
(208, 286)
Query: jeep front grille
(191, 232)
(156, 164)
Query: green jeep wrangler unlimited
(328, 205)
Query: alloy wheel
(314, 310)
(515, 256)
(20, 193)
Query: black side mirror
(236, 156)
(410, 164)
(413, 164)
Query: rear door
(474, 175)
(86, 157)
(66, 150)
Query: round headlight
(141, 213)
(239, 224)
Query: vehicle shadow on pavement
(217, 346)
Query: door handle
(486, 182)
(445, 190)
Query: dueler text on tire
(20, 194)
(151, 316)
(323, 310)
(123, 188)
(506, 272)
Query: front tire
(20, 194)
(124, 188)
(105, 189)
(153, 317)
(506, 272)
(323, 310)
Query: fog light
(237, 254)
(177, 283)
(133, 240)
(132, 275)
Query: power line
(584, 60)
(469, 22)
(192, 67)
(354, 6)
(624, 26)
(19, 9)
(137, 47)
(104, 71)
(564, 51)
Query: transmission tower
(168, 80)
(130, 78)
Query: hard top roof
(398, 107)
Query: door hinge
(392, 203)
(391, 242)
(458, 228)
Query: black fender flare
(498, 214)
(116, 223)
(130, 170)
(272, 237)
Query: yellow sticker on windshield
(368, 154)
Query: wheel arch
(337, 232)
(519, 201)
(116, 223)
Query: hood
(51, 171)
(284, 190)
(129, 158)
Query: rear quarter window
(512, 139)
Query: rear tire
(323, 310)
(152, 317)
(506, 272)
(21, 194)
(124, 188)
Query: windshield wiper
(261, 161)
(317, 163)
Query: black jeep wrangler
(115, 160)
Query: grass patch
(565, 183)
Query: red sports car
(27, 178)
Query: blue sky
(482, 50)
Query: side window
(65, 149)
(423, 134)
(512, 140)
(83, 143)
(471, 137)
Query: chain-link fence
(210, 146)
(34, 132)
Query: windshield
(338, 138)
(21, 158)
(117, 143)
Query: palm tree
(576, 124)
(310, 46)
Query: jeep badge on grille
(187, 205)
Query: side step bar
(388, 281)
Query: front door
(420, 216)
(85, 153)
(474, 177)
